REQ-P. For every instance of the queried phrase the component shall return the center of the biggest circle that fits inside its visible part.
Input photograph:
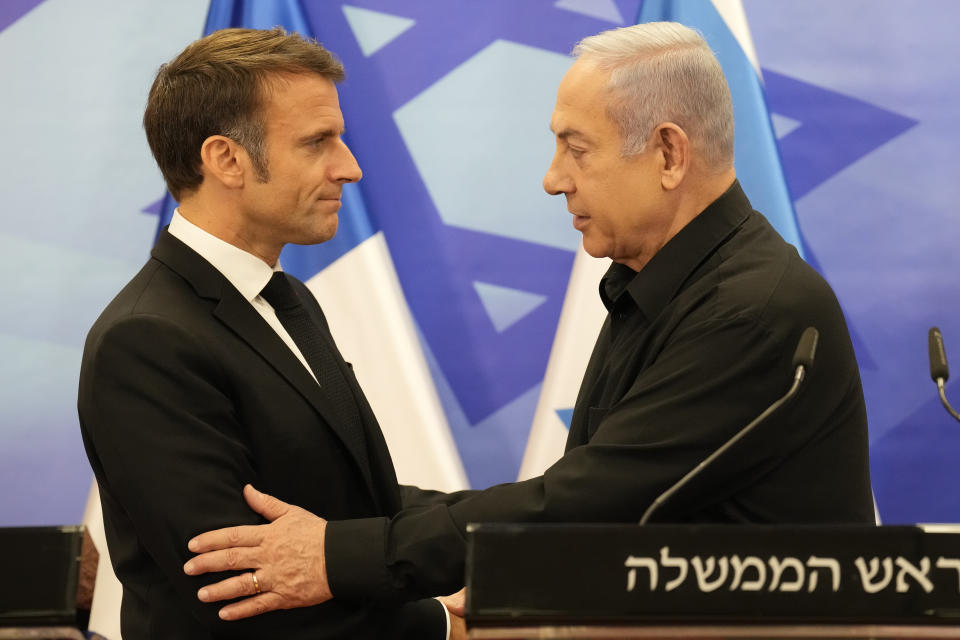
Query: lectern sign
(788, 573)
(737, 573)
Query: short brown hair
(218, 86)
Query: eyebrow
(564, 134)
(320, 133)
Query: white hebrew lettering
(867, 578)
(740, 567)
(649, 563)
(813, 562)
(777, 567)
(950, 563)
(917, 573)
(678, 563)
(702, 573)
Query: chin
(315, 236)
(595, 251)
(324, 237)
(326, 231)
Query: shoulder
(763, 282)
(761, 278)
(758, 287)
(156, 290)
(156, 303)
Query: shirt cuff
(355, 552)
(446, 614)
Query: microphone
(939, 371)
(802, 360)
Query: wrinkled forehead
(582, 97)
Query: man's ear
(224, 161)
(674, 147)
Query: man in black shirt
(706, 305)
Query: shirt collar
(658, 282)
(245, 271)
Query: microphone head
(806, 348)
(938, 355)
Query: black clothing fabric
(186, 394)
(694, 346)
(309, 338)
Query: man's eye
(575, 152)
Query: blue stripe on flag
(256, 14)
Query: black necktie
(318, 353)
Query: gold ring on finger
(256, 583)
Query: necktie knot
(279, 292)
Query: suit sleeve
(709, 381)
(413, 497)
(161, 426)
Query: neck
(217, 214)
(696, 193)
(702, 192)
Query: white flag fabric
(580, 322)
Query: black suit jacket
(185, 395)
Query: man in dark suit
(212, 368)
(706, 305)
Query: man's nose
(554, 182)
(347, 169)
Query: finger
(266, 505)
(244, 536)
(233, 559)
(252, 606)
(235, 587)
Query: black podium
(712, 581)
(46, 582)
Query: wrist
(355, 553)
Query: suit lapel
(237, 314)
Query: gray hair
(664, 72)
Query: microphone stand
(944, 401)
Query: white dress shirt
(245, 271)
